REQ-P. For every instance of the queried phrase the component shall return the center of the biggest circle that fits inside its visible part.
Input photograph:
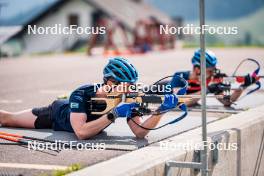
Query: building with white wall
(80, 13)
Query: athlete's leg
(22, 119)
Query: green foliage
(72, 168)
(250, 32)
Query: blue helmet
(210, 57)
(120, 70)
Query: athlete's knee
(4, 114)
(5, 118)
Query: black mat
(118, 135)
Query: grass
(70, 169)
(82, 49)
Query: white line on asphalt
(10, 101)
(33, 166)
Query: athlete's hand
(170, 102)
(249, 80)
(217, 88)
(124, 109)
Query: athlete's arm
(78, 117)
(249, 80)
(234, 96)
(170, 102)
(149, 123)
(83, 129)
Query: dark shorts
(55, 116)
(44, 117)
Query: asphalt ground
(34, 81)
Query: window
(73, 19)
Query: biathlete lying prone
(213, 84)
(74, 115)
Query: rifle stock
(112, 100)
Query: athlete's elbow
(82, 135)
(141, 134)
(226, 103)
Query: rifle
(113, 99)
(228, 80)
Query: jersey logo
(181, 75)
(75, 105)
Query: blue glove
(124, 109)
(179, 82)
(176, 81)
(170, 102)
